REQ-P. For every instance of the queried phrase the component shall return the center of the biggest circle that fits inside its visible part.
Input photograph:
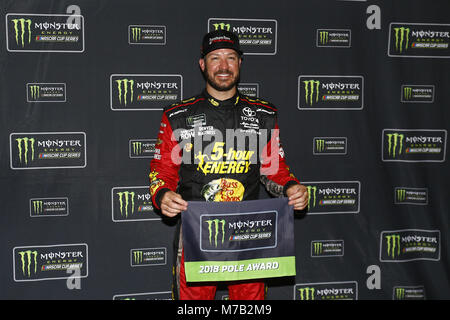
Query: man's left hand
(298, 196)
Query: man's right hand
(172, 204)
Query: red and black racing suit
(197, 156)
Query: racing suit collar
(221, 103)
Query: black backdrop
(67, 210)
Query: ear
(201, 63)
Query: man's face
(221, 68)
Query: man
(197, 157)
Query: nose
(223, 64)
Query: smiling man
(218, 146)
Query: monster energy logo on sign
(31, 32)
(414, 145)
(419, 40)
(216, 230)
(408, 293)
(417, 94)
(136, 92)
(49, 207)
(333, 38)
(416, 196)
(329, 146)
(32, 263)
(256, 36)
(330, 92)
(410, 245)
(142, 148)
(327, 248)
(148, 257)
(146, 35)
(329, 197)
(326, 291)
(46, 92)
(132, 204)
(47, 150)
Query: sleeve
(275, 174)
(165, 163)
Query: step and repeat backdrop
(362, 93)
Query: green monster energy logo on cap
(27, 263)
(222, 26)
(311, 192)
(400, 293)
(401, 195)
(137, 147)
(34, 90)
(216, 223)
(393, 242)
(323, 37)
(125, 83)
(310, 87)
(307, 293)
(37, 206)
(407, 93)
(138, 256)
(136, 33)
(401, 38)
(320, 145)
(25, 149)
(22, 30)
(392, 145)
(123, 197)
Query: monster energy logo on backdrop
(307, 293)
(138, 256)
(27, 258)
(38, 206)
(23, 150)
(215, 232)
(393, 243)
(222, 26)
(401, 195)
(24, 25)
(34, 91)
(126, 197)
(400, 293)
(323, 37)
(401, 38)
(395, 139)
(407, 93)
(136, 33)
(318, 248)
(137, 147)
(311, 87)
(123, 94)
(311, 193)
(320, 145)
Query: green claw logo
(137, 148)
(393, 245)
(123, 94)
(318, 248)
(401, 38)
(38, 206)
(28, 143)
(395, 139)
(34, 92)
(311, 87)
(311, 194)
(401, 195)
(138, 256)
(323, 37)
(407, 93)
(125, 203)
(320, 145)
(21, 26)
(136, 33)
(307, 293)
(222, 26)
(31, 256)
(216, 231)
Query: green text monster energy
(31, 256)
(125, 196)
(401, 38)
(125, 83)
(393, 244)
(24, 151)
(25, 24)
(310, 87)
(216, 223)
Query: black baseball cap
(220, 39)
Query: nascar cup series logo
(410, 245)
(33, 263)
(414, 145)
(137, 92)
(29, 32)
(132, 204)
(47, 150)
(419, 40)
(256, 36)
(330, 92)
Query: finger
(178, 199)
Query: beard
(221, 86)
